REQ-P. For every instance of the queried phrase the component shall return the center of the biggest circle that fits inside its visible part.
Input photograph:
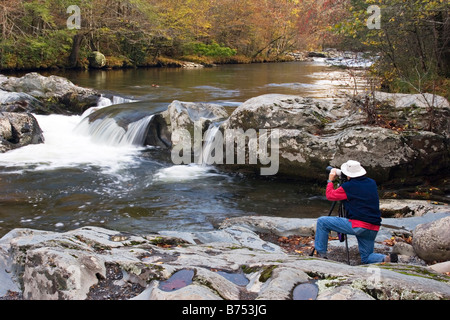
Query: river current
(77, 179)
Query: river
(73, 180)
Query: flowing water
(100, 174)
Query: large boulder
(56, 94)
(184, 115)
(18, 130)
(315, 133)
(431, 241)
(18, 102)
(281, 111)
(182, 121)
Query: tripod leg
(346, 247)
(332, 208)
(343, 214)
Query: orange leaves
(393, 240)
(296, 244)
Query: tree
(413, 41)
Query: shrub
(209, 50)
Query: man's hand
(332, 175)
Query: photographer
(359, 195)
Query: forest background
(412, 40)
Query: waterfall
(104, 102)
(106, 131)
(210, 143)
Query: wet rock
(18, 102)
(55, 94)
(18, 130)
(183, 122)
(184, 115)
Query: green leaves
(210, 50)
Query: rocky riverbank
(233, 262)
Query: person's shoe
(322, 255)
(393, 258)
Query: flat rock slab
(50, 265)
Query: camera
(339, 173)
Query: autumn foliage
(137, 32)
(413, 42)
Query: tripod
(342, 237)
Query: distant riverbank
(121, 62)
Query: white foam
(65, 148)
(184, 173)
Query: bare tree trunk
(74, 55)
(420, 46)
(443, 39)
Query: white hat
(353, 169)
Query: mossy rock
(97, 60)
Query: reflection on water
(73, 181)
(228, 83)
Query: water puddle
(305, 291)
(237, 278)
(178, 280)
